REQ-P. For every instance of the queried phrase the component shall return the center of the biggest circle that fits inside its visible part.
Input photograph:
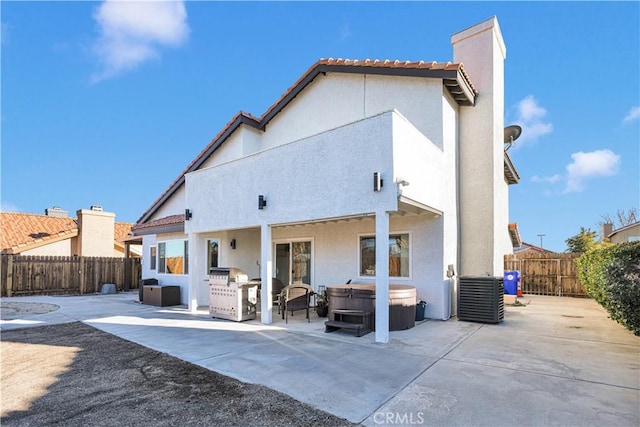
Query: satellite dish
(511, 133)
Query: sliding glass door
(293, 262)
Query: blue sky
(106, 106)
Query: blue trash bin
(511, 279)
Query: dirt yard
(76, 375)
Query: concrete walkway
(553, 361)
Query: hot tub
(402, 303)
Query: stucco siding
(629, 234)
(330, 101)
(61, 248)
(417, 160)
(173, 206)
(417, 99)
(328, 175)
(481, 173)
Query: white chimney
(96, 231)
(56, 212)
(484, 211)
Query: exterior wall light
(187, 214)
(233, 243)
(262, 202)
(377, 181)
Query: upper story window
(173, 257)
(399, 251)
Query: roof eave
(510, 172)
(160, 229)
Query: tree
(581, 242)
(621, 218)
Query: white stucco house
(375, 171)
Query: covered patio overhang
(268, 310)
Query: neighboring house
(529, 249)
(375, 171)
(627, 233)
(92, 233)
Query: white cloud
(584, 166)
(632, 115)
(530, 116)
(547, 179)
(593, 164)
(132, 32)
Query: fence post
(10, 275)
(81, 272)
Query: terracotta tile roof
(167, 222)
(514, 234)
(122, 231)
(454, 79)
(22, 231)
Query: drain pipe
(453, 278)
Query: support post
(266, 273)
(192, 289)
(382, 277)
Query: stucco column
(192, 289)
(382, 277)
(266, 273)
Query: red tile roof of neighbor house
(454, 79)
(22, 231)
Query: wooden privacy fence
(41, 275)
(547, 274)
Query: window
(398, 255)
(213, 247)
(173, 257)
(152, 258)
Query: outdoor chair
(295, 297)
(276, 288)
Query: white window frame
(208, 243)
(185, 262)
(153, 260)
(294, 240)
(391, 233)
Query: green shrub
(611, 276)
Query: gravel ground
(15, 310)
(76, 375)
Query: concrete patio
(553, 361)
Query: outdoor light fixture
(402, 182)
(233, 243)
(187, 214)
(377, 181)
(262, 202)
